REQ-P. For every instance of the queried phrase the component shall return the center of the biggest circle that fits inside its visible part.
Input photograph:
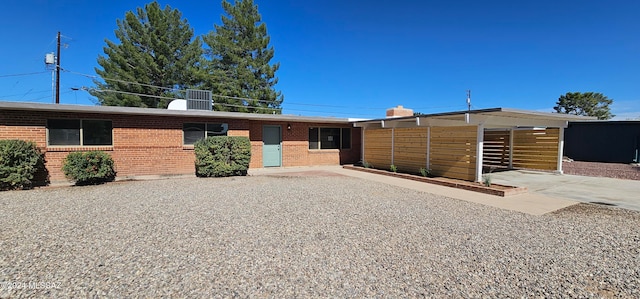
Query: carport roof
(493, 118)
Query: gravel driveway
(286, 237)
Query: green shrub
(393, 168)
(21, 165)
(89, 168)
(425, 172)
(222, 156)
(366, 164)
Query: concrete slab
(529, 203)
(618, 192)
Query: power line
(38, 99)
(23, 74)
(214, 95)
(230, 105)
(246, 99)
(19, 94)
(173, 98)
(118, 80)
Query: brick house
(145, 141)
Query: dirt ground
(597, 169)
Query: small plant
(222, 156)
(425, 172)
(366, 164)
(393, 168)
(486, 180)
(21, 165)
(89, 168)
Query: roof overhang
(495, 118)
(20, 106)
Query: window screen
(96, 132)
(196, 131)
(193, 132)
(313, 138)
(64, 131)
(329, 138)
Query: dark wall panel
(608, 141)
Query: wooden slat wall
(410, 149)
(496, 149)
(377, 148)
(453, 152)
(536, 149)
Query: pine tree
(586, 104)
(157, 48)
(239, 68)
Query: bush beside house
(22, 165)
(89, 168)
(222, 156)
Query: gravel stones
(323, 236)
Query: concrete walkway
(618, 192)
(529, 203)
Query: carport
(464, 144)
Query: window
(329, 138)
(196, 131)
(314, 137)
(87, 132)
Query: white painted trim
(479, 152)
(511, 148)
(362, 144)
(393, 143)
(428, 148)
(560, 150)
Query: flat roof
(489, 118)
(22, 106)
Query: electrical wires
(249, 100)
(21, 75)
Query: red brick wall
(152, 145)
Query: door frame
(279, 143)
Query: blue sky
(357, 58)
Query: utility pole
(469, 100)
(58, 72)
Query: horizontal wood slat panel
(452, 164)
(377, 148)
(536, 149)
(452, 153)
(467, 176)
(410, 149)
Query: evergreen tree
(586, 104)
(239, 68)
(156, 48)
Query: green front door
(271, 147)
